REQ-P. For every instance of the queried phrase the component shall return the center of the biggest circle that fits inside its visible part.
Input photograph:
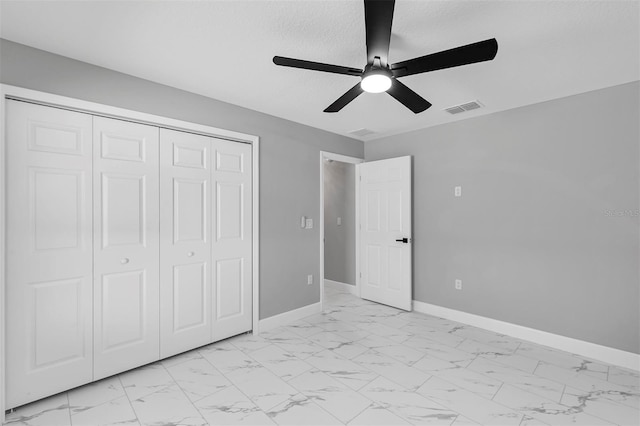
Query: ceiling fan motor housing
(377, 68)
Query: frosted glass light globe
(375, 83)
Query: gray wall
(545, 234)
(340, 240)
(289, 155)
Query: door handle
(404, 240)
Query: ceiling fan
(380, 76)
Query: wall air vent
(469, 106)
(361, 132)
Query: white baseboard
(341, 286)
(580, 347)
(288, 317)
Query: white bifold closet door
(49, 251)
(126, 245)
(206, 230)
(185, 242)
(232, 235)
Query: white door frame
(48, 99)
(344, 159)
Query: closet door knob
(124, 260)
(190, 254)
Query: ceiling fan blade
(471, 53)
(408, 97)
(378, 17)
(316, 66)
(343, 100)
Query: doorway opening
(339, 223)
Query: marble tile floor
(357, 363)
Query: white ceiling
(223, 49)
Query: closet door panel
(123, 297)
(185, 247)
(49, 251)
(126, 249)
(232, 255)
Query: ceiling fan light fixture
(375, 82)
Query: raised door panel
(56, 206)
(56, 324)
(229, 211)
(190, 210)
(375, 221)
(229, 289)
(49, 260)
(123, 210)
(126, 245)
(185, 241)
(190, 297)
(232, 255)
(123, 301)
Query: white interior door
(185, 241)
(126, 246)
(232, 235)
(49, 252)
(385, 232)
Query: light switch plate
(339, 221)
(303, 222)
(457, 191)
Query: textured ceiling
(223, 49)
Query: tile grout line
(494, 395)
(66, 394)
(135, 413)
(564, 389)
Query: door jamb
(324, 155)
(48, 99)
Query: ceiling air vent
(469, 106)
(362, 132)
